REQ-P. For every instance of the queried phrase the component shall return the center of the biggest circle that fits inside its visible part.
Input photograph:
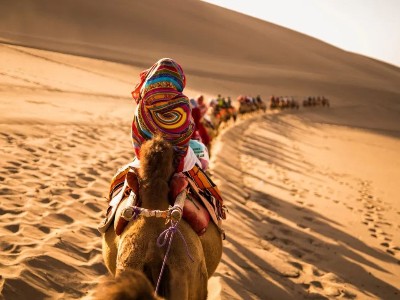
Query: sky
(368, 27)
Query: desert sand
(312, 194)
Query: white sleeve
(190, 160)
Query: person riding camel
(163, 110)
(220, 101)
(202, 105)
(229, 102)
(200, 129)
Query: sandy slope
(312, 195)
(314, 211)
(62, 137)
(223, 51)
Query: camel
(132, 284)
(136, 248)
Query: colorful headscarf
(162, 108)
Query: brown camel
(129, 285)
(136, 247)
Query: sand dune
(308, 219)
(223, 51)
(55, 166)
(312, 195)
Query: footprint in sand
(297, 265)
(75, 196)
(92, 171)
(375, 219)
(45, 200)
(11, 170)
(316, 284)
(295, 252)
(86, 178)
(390, 251)
(30, 168)
(53, 165)
(29, 149)
(94, 193)
(302, 226)
(59, 191)
(12, 227)
(14, 163)
(93, 207)
(44, 229)
(74, 184)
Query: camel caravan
(316, 101)
(221, 111)
(289, 102)
(163, 230)
(249, 104)
(283, 102)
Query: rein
(166, 235)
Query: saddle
(203, 201)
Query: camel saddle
(200, 204)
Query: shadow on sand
(335, 258)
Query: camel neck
(155, 195)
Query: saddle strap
(112, 209)
(126, 214)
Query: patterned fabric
(204, 182)
(162, 108)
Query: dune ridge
(222, 50)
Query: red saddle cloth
(193, 211)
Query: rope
(166, 235)
(136, 213)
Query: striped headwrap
(162, 108)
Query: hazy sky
(368, 27)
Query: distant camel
(136, 248)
